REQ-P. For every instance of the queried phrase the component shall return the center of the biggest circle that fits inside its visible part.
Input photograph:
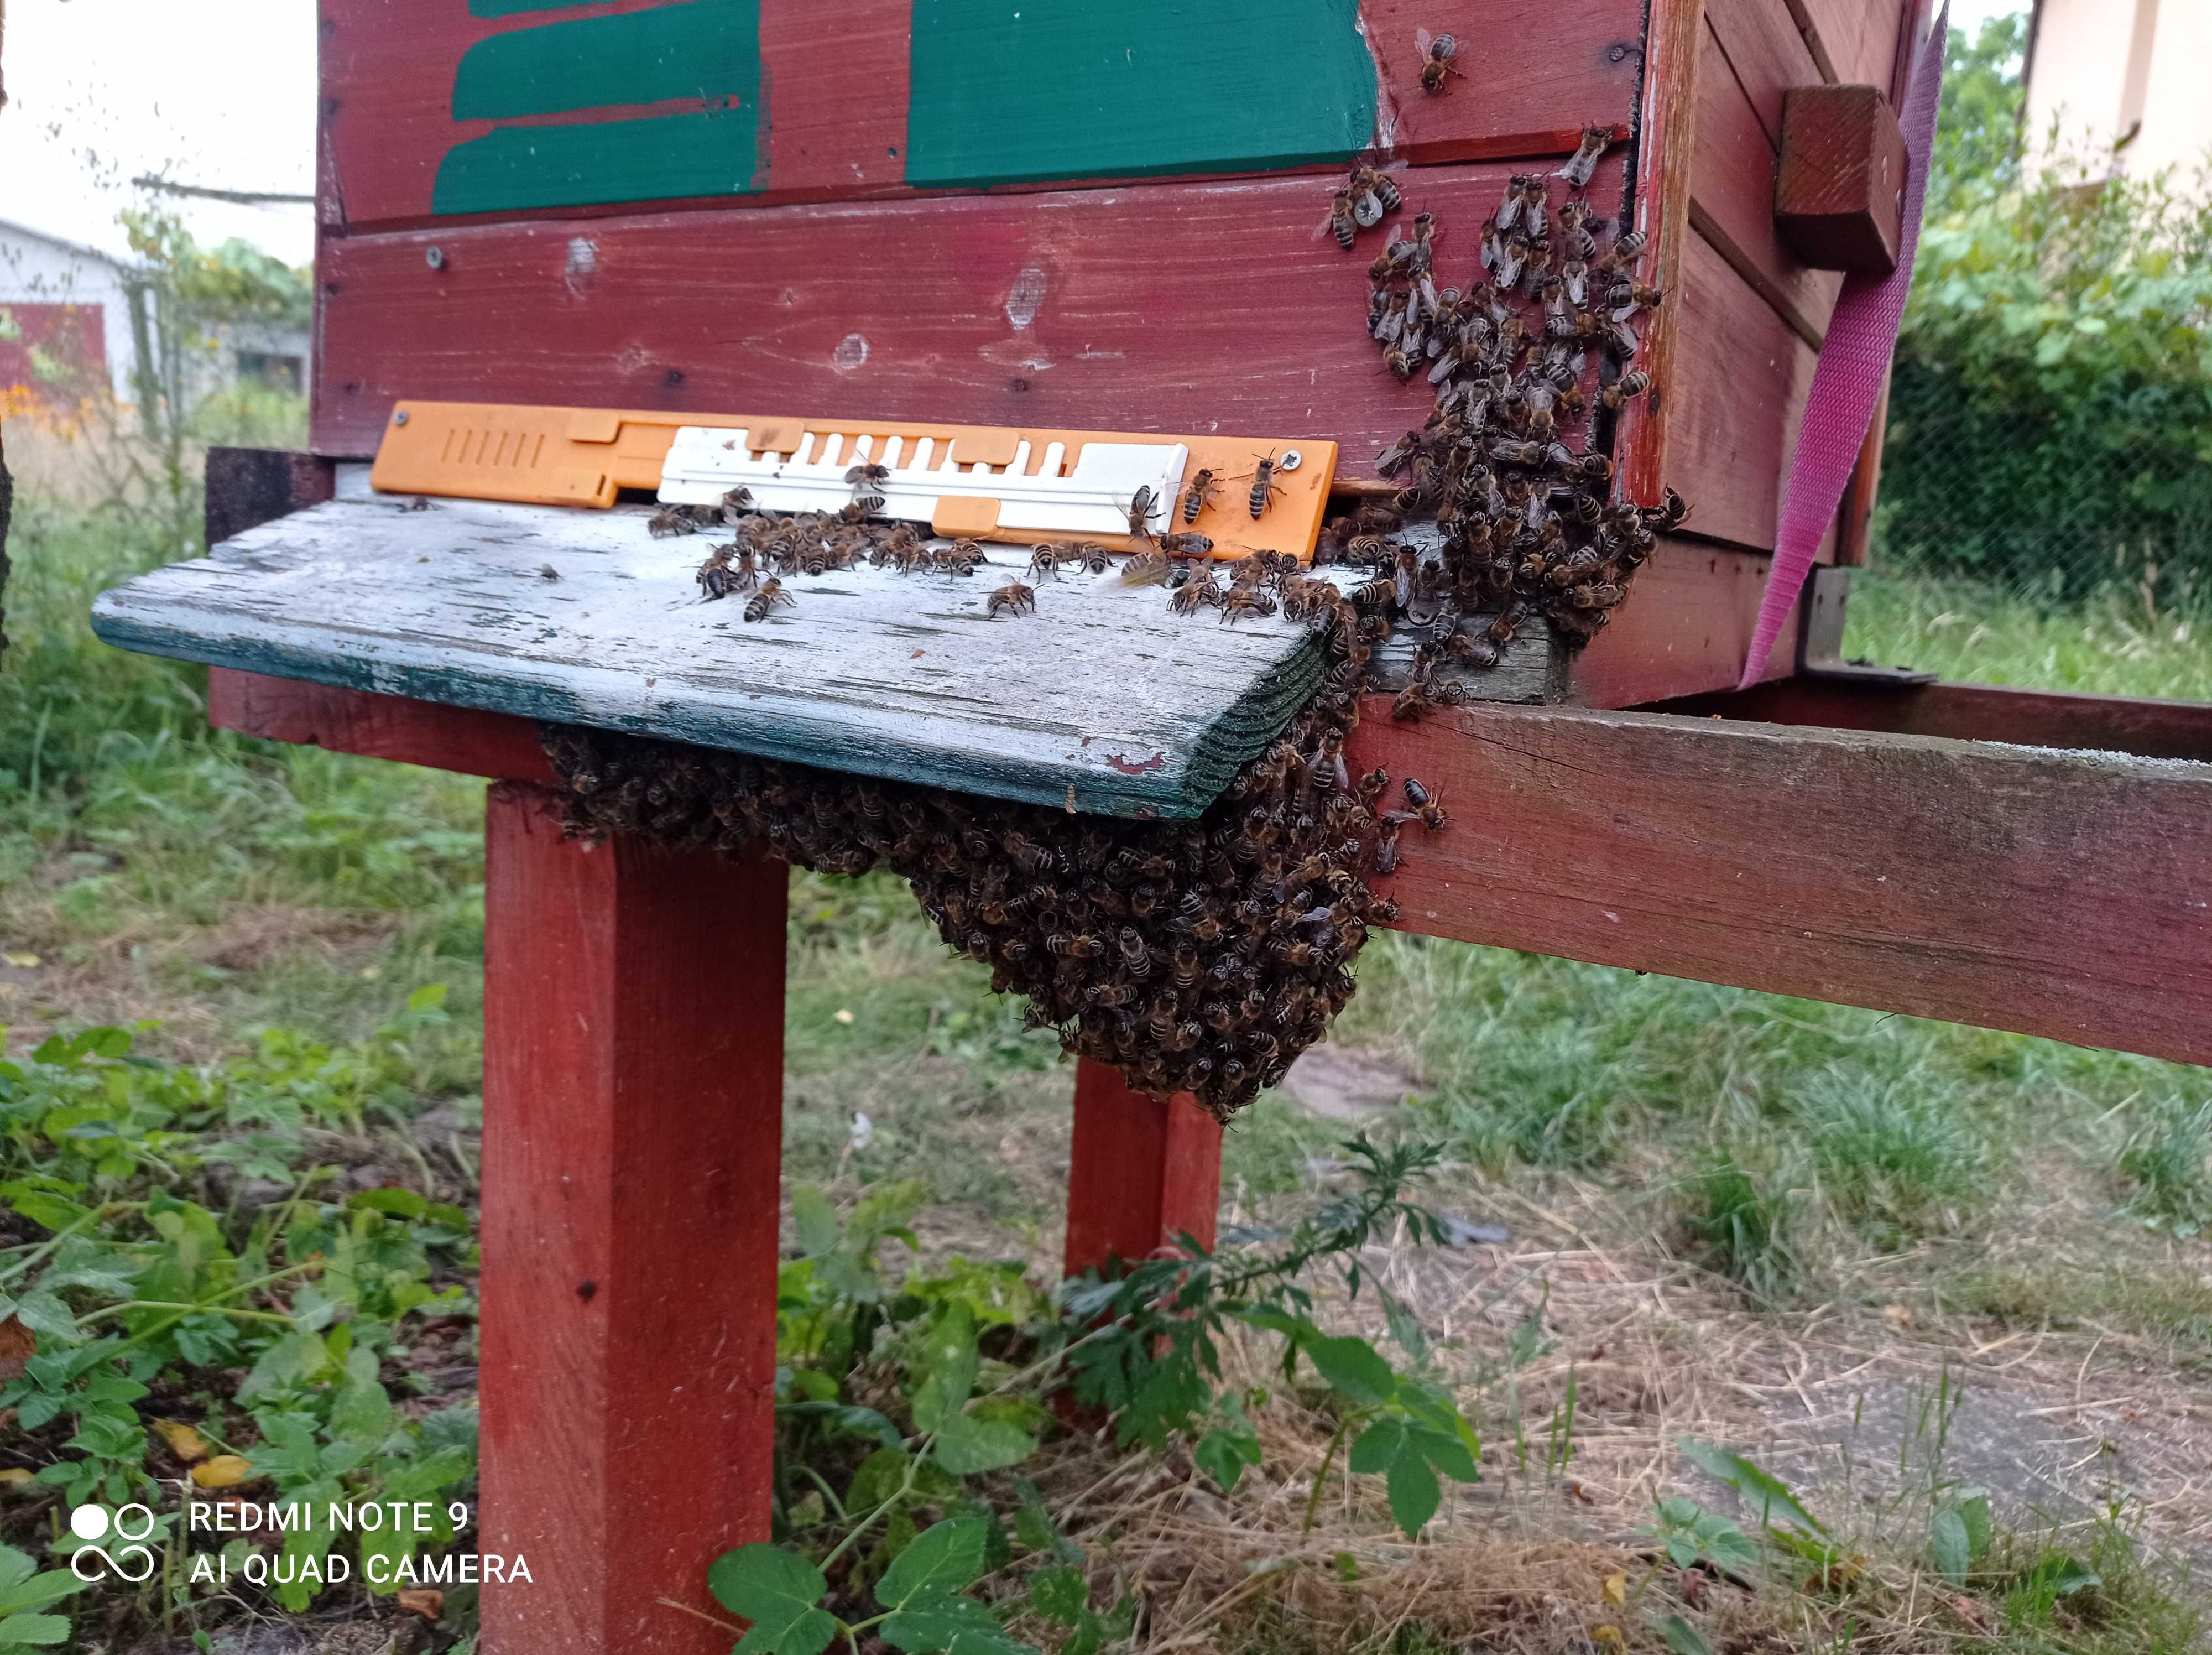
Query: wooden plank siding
(2067, 894)
(433, 110)
(1164, 306)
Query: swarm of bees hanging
(1198, 956)
(1512, 464)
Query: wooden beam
(633, 1127)
(499, 746)
(1972, 712)
(1839, 189)
(2054, 893)
(1666, 145)
(1142, 1171)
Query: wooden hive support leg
(1141, 1172)
(633, 1125)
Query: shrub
(2051, 412)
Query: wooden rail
(2052, 892)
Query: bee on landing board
(770, 596)
(1013, 598)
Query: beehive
(999, 213)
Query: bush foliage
(2050, 413)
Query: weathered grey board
(1103, 698)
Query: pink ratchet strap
(1853, 366)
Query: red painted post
(1141, 1172)
(633, 1126)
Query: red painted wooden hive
(1094, 216)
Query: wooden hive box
(1003, 213)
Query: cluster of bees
(1511, 463)
(1198, 956)
(765, 549)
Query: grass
(1977, 632)
(1700, 1181)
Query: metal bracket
(1820, 639)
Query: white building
(2123, 78)
(70, 306)
(65, 298)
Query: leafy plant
(895, 1401)
(1690, 1534)
(1155, 1350)
(25, 1596)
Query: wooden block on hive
(1839, 186)
(1102, 701)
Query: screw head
(399, 418)
(434, 258)
(1290, 461)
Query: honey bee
(671, 520)
(869, 475)
(1428, 806)
(1386, 846)
(770, 596)
(1045, 560)
(1200, 494)
(1340, 222)
(1146, 568)
(1626, 389)
(1195, 593)
(1264, 486)
(1091, 555)
(1512, 262)
(1596, 140)
(1437, 52)
(727, 570)
(1624, 299)
(1239, 601)
(1140, 513)
(1185, 545)
(1013, 598)
(1669, 514)
(1370, 182)
(1623, 253)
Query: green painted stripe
(1008, 91)
(508, 7)
(708, 49)
(659, 158)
